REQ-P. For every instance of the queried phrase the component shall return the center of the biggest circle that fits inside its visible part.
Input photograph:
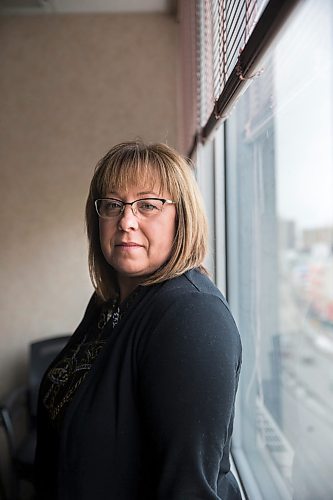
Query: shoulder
(94, 305)
(188, 317)
(192, 304)
(191, 281)
(90, 314)
(190, 288)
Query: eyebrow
(147, 192)
(138, 194)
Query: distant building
(312, 237)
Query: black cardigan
(153, 419)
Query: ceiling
(71, 6)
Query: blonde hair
(131, 163)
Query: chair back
(42, 353)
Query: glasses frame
(131, 204)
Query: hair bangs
(144, 169)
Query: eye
(112, 204)
(110, 207)
(148, 205)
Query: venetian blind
(227, 38)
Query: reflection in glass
(280, 185)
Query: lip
(128, 244)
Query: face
(134, 247)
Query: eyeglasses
(109, 208)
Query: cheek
(172, 232)
(105, 235)
(168, 233)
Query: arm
(188, 383)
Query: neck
(126, 286)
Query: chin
(135, 272)
(131, 273)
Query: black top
(66, 374)
(152, 420)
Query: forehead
(135, 178)
(136, 192)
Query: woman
(140, 403)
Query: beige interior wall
(70, 86)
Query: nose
(127, 219)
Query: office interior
(243, 88)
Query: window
(279, 172)
(205, 178)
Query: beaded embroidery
(65, 377)
(68, 374)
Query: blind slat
(230, 37)
(224, 25)
(262, 35)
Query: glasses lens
(148, 207)
(109, 208)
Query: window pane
(205, 178)
(280, 261)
